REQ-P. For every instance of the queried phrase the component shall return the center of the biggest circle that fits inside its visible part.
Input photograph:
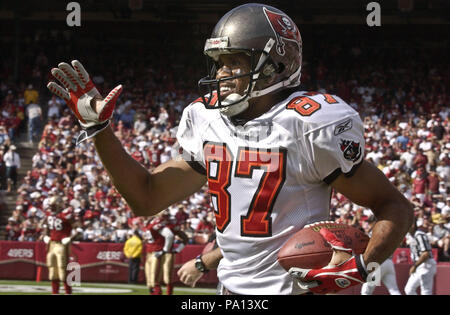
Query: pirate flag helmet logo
(284, 29)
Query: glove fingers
(70, 73)
(59, 91)
(301, 275)
(109, 103)
(335, 242)
(193, 283)
(82, 73)
(58, 74)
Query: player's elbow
(407, 212)
(397, 209)
(139, 211)
(145, 208)
(144, 202)
(410, 214)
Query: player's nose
(223, 72)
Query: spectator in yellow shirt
(133, 252)
(30, 95)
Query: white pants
(423, 276)
(387, 276)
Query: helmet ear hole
(269, 69)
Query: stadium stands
(397, 83)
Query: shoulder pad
(318, 109)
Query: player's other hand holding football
(81, 95)
(343, 271)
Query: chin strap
(290, 82)
(235, 109)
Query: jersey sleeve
(189, 137)
(337, 147)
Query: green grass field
(13, 287)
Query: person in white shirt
(12, 163)
(446, 209)
(424, 268)
(408, 157)
(53, 109)
(34, 113)
(140, 125)
(375, 156)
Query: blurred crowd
(75, 173)
(400, 94)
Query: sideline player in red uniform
(58, 237)
(159, 241)
(160, 234)
(166, 270)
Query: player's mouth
(226, 90)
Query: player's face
(233, 65)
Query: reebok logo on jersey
(343, 127)
(351, 150)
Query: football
(308, 249)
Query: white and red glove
(66, 240)
(46, 239)
(332, 278)
(80, 93)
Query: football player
(159, 238)
(270, 153)
(166, 270)
(161, 250)
(58, 237)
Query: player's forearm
(183, 236)
(394, 219)
(211, 259)
(129, 177)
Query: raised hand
(83, 98)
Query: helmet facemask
(261, 67)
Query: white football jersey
(268, 179)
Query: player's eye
(234, 62)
